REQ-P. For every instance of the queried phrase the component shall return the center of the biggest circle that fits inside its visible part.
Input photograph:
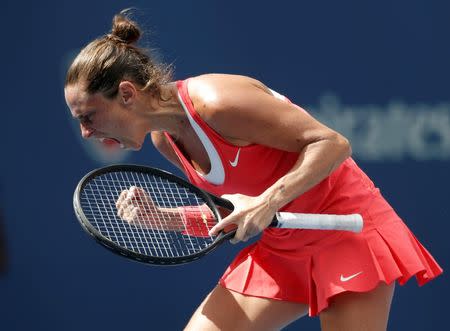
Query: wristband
(198, 220)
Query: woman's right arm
(136, 207)
(163, 146)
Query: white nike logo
(235, 162)
(346, 279)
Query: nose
(85, 131)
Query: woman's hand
(251, 215)
(135, 206)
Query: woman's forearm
(316, 162)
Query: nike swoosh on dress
(236, 159)
(346, 279)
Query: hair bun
(125, 29)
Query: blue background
(366, 53)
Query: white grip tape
(351, 222)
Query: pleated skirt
(312, 266)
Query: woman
(232, 135)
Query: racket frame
(211, 201)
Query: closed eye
(85, 119)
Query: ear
(127, 92)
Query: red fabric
(198, 220)
(312, 272)
(245, 178)
(306, 266)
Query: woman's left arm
(249, 113)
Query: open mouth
(111, 142)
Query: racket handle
(351, 222)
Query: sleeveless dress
(307, 266)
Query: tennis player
(232, 135)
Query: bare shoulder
(219, 100)
(225, 80)
(214, 92)
(244, 111)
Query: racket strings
(157, 224)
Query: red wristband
(198, 220)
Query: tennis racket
(153, 216)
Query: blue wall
(377, 71)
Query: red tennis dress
(308, 266)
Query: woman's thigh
(367, 311)
(226, 310)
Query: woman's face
(104, 119)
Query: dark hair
(114, 57)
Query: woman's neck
(164, 112)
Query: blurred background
(377, 71)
